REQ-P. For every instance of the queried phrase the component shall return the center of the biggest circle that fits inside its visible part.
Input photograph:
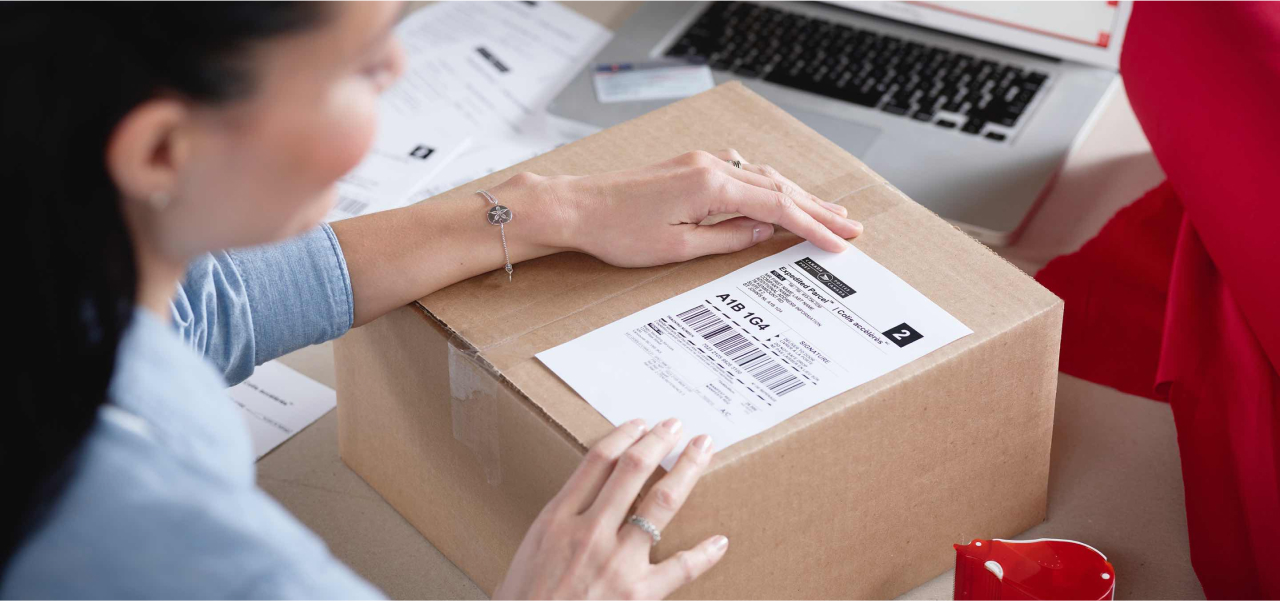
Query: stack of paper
(472, 101)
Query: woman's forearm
(638, 217)
(396, 257)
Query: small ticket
(629, 82)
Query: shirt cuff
(299, 292)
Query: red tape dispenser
(1032, 569)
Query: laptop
(970, 108)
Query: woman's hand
(650, 215)
(582, 547)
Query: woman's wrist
(545, 215)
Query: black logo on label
(421, 152)
(828, 279)
(902, 334)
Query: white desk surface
(1115, 480)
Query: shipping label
(738, 355)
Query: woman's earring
(159, 200)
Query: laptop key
(973, 126)
(945, 123)
(995, 135)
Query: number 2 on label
(902, 334)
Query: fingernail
(636, 426)
(719, 543)
(835, 208)
(856, 225)
(672, 426)
(702, 443)
(761, 233)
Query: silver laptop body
(988, 187)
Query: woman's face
(263, 168)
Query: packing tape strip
(473, 406)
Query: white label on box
(652, 81)
(740, 354)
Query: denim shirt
(163, 501)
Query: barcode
(351, 206)
(745, 354)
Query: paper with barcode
(738, 355)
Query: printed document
(738, 355)
(278, 402)
(478, 80)
(407, 151)
(472, 100)
(509, 60)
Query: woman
(150, 139)
(1175, 299)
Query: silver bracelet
(499, 215)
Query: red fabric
(1115, 308)
(1178, 297)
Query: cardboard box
(445, 411)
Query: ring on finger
(647, 526)
(735, 163)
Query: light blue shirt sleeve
(162, 501)
(241, 308)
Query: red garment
(1178, 297)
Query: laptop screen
(1080, 22)
(1090, 31)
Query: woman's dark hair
(70, 73)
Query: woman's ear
(147, 150)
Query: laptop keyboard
(951, 90)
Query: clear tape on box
(474, 393)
